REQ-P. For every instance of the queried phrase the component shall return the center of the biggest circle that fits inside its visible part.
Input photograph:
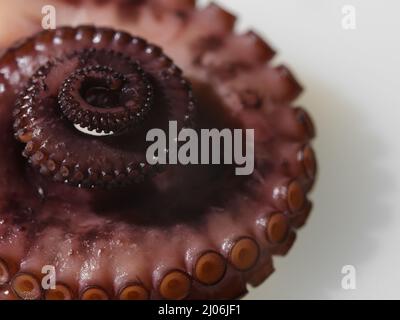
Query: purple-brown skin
(116, 230)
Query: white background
(352, 80)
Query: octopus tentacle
(244, 253)
(175, 285)
(132, 280)
(60, 292)
(105, 91)
(4, 272)
(210, 268)
(203, 260)
(94, 293)
(133, 291)
(26, 286)
(218, 232)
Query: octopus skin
(111, 225)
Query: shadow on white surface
(349, 207)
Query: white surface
(353, 93)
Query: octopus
(88, 203)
